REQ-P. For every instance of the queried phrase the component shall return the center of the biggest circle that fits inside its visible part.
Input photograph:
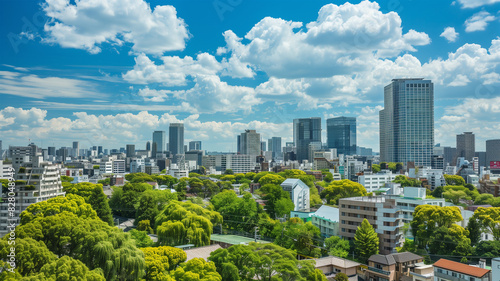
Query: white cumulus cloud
(478, 22)
(450, 34)
(87, 24)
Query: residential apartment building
(446, 270)
(299, 193)
(326, 219)
(375, 181)
(392, 267)
(380, 211)
(34, 184)
(239, 163)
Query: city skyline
(114, 89)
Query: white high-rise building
(407, 122)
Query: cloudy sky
(110, 72)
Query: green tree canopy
(342, 189)
(337, 246)
(488, 220)
(70, 203)
(271, 179)
(197, 269)
(91, 241)
(304, 238)
(365, 241)
(186, 222)
(67, 268)
(428, 218)
(160, 260)
(454, 180)
(406, 181)
(451, 240)
(31, 255)
(238, 213)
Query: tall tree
(365, 241)
(489, 220)
(342, 189)
(427, 218)
(337, 246)
(99, 202)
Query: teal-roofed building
(326, 218)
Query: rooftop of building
(335, 261)
(461, 268)
(328, 213)
(201, 252)
(394, 258)
(234, 239)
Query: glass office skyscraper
(341, 134)
(176, 138)
(407, 122)
(158, 143)
(305, 131)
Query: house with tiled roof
(392, 267)
(446, 270)
(331, 266)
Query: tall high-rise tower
(250, 143)
(466, 145)
(341, 134)
(176, 138)
(407, 122)
(305, 131)
(158, 145)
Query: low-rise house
(422, 272)
(446, 270)
(331, 265)
(392, 267)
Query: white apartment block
(5, 170)
(376, 181)
(35, 184)
(118, 166)
(299, 193)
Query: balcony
(374, 269)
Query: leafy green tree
(184, 222)
(160, 260)
(375, 168)
(67, 268)
(91, 241)
(250, 175)
(271, 179)
(454, 196)
(258, 176)
(451, 240)
(309, 272)
(31, 255)
(147, 209)
(272, 194)
(139, 177)
(94, 195)
(490, 249)
(70, 203)
(262, 262)
(406, 181)
(488, 220)
(299, 236)
(342, 189)
(283, 206)
(145, 225)
(337, 246)
(341, 277)
(197, 269)
(228, 172)
(141, 238)
(454, 180)
(408, 246)
(67, 179)
(314, 198)
(238, 213)
(365, 241)
(428, 218)
(438, 192)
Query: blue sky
(111, 72)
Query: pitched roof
(461, 268)
(382, 259)
(406, 257)
(328, 213)
(394, 258)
